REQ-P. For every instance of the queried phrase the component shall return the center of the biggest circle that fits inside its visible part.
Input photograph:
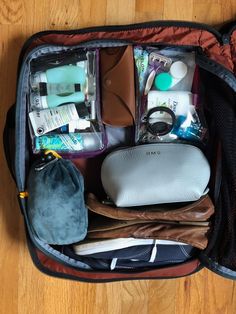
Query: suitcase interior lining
(221, 247)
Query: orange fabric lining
(164, 35)
(233, 49)
(172, 271)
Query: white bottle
(179, 102)
(44, 121)
(178, 71)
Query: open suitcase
(209, 241)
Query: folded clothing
(192, 234)
(135, 257)
(200, 210)
(56, 208)
(101, 246)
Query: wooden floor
(23, 289)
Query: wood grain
(23, 289)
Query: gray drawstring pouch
(56, 208)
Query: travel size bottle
(74, 74)
(38, 102)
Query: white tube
(44, 121)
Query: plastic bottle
(178, 71)
(84, 142)
(43, 102)
(165, 81)
(44, 121)
(179, 102)
(74, 74)
(45, 89)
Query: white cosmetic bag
(155, 174)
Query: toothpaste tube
(69, 142)
(141, 60)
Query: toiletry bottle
(177, 72)
(45, 89)
(83, 142)
(179, 102)
(74, 74)
(38, 102)
(44, 121)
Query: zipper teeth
(110, 28)
(211, 65)
(122, 149)
(117, 28)
(230, 32)
(57, 258)
(67, 263)
(136, 26)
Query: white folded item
(93, 247)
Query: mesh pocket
(221, 102)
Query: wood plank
(23, 288)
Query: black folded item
(56, 208)
(136, 257)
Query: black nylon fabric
(136, 257)
(221, 101)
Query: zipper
(118, 28)
(49, 272)
(227, 30)
(31, 237)
(205, 63)
(23, 71)
(225, 39)
(76, 267)
(217, 69)
(39, 265)
(216, 268)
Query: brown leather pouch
(117, 86)
(200, 210)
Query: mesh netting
(221, 102)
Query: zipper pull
(225, 39)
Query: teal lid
(163, 81)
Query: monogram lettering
(153, 153)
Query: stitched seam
(184, 251)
